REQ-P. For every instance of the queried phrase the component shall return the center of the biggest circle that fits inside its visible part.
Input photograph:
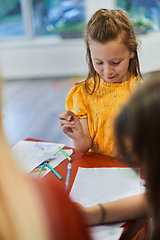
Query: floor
(30, 109)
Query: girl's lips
(111, 77)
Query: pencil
(68, 175)
(71, 118)
(47, 160)
(41, 169)
(54, 171)
(37, 169)
(65, 154)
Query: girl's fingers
(63, 115)
(64, 123)
(66, 115)
(71, 115)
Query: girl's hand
(70, 124)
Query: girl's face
(111, 60)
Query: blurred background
(42, 55)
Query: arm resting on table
(126, 209)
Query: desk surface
(91, 160)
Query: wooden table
(91, 160)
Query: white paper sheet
(99, 185)
(105, 233)
(29, 154)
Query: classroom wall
(149, 52)
(48, 57)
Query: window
(143, 10)
(11, 23)
(62, 17)
(37, 18)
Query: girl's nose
(108, 70)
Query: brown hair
(106, 25)
(139, 123)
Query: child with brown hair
(137, 124)
(92, 105)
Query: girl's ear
(132, 55)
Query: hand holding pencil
(70, 124)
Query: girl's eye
(116, 63)
(99, 63)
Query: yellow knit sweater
(100, 109)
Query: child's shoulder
(134, 80)
(78, 87)
(82, 83)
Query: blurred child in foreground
(137, 124)
(34, 209)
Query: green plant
(141, 20)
